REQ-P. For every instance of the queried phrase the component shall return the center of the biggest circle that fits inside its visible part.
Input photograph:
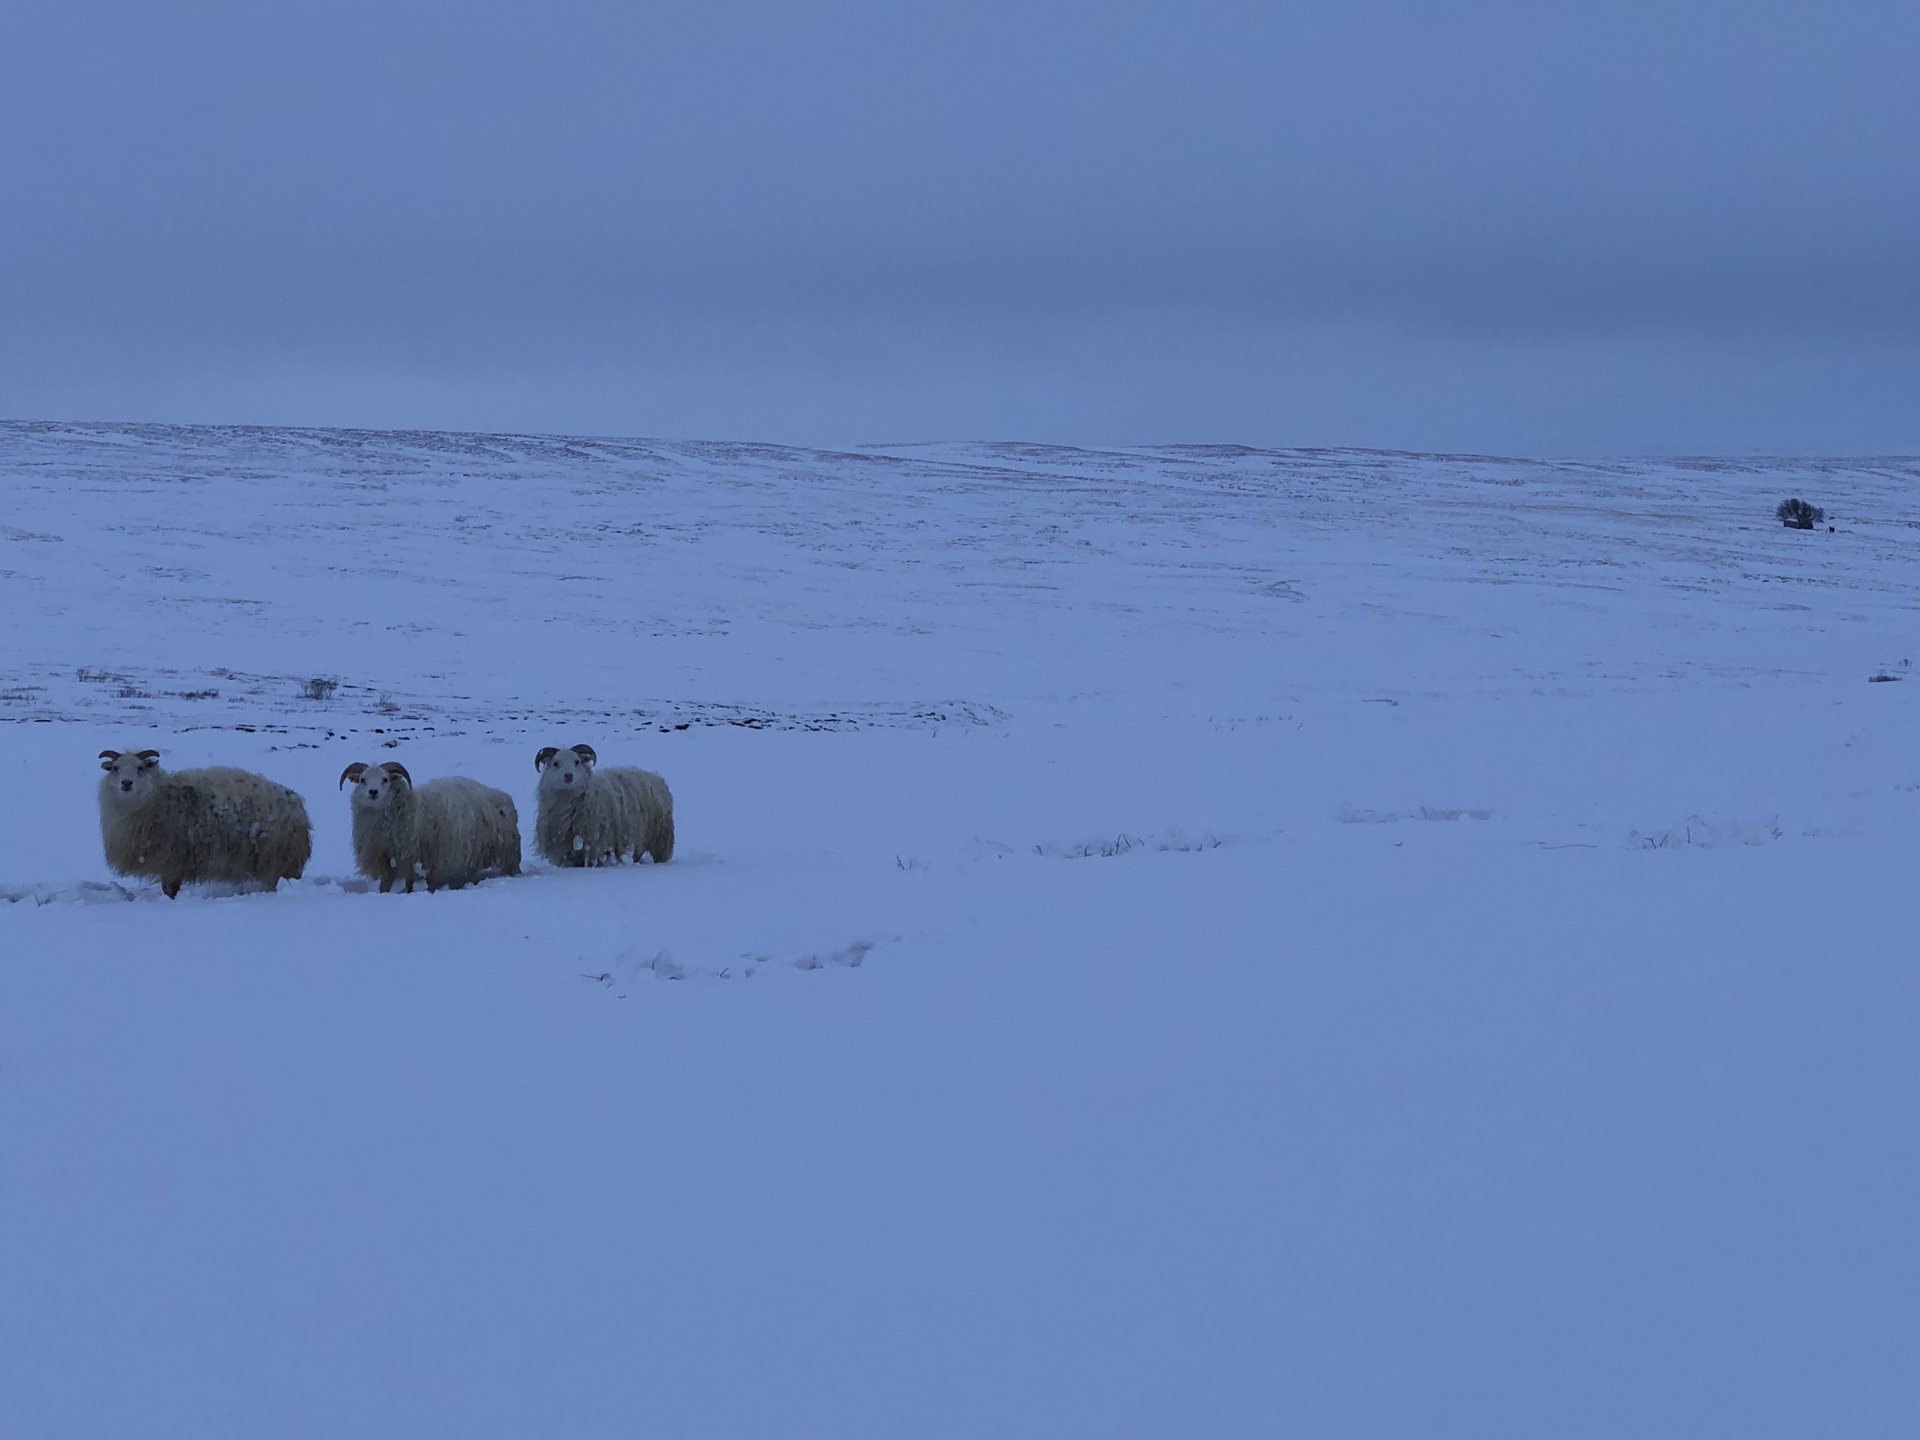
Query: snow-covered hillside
(1176, 942)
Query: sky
(1530, 228)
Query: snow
(1193, 941)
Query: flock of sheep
(219, 823)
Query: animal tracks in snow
(636, 962)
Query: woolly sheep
(190, 825)
(589, 816)
(450, 831)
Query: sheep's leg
(659, 846)
(170, 885)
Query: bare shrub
(1797, 514)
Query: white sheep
(595, 817)
(188, 825)
(450, 831)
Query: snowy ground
(1192, 942)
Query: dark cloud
(1491, 225)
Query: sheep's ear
(107, 757)
(540, 760)
(585, 752)
(149, 759)
(353, 772)
(397, 770)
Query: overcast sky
(1467, 224)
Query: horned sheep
(447, 832)
(218, 823)
(589, 816)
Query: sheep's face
(374, 787)
(132, 775)
(562, 770)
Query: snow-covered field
(1188, 942)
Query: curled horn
(394, 767)
(353, 772)
(109, 754)
(585, 752)
(540, 760)
(148, 758)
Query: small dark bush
(1799, 515)
(319, 688)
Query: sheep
(190, 825)
(594, 817)
(450, 831)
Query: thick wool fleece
(605, 816)
(213, 824)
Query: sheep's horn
(545, 755)
(585, 752)
(147, 754)
(353, 772)
(394, 767)
(109, 754)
